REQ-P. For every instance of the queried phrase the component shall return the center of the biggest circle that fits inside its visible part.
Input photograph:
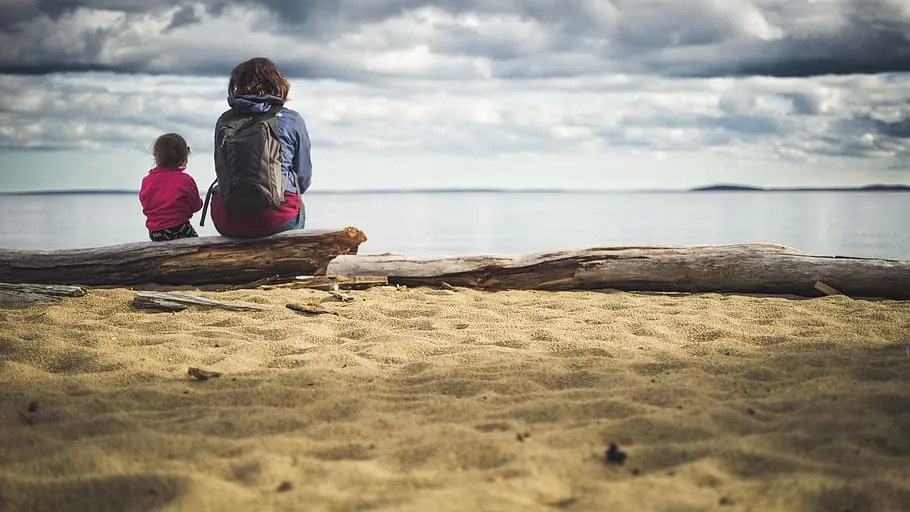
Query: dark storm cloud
(876, 39)
(899, 129)
(27, 10)
(44, 68)
(538, 39)
(184, 17)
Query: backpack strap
(299, 195)
(265, 116)
(205, 206)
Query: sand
(424, 399)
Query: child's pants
(184, 230)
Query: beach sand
(426, 399)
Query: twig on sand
(341, 297)
(340, 282)
(447, 286)
(200, 374)
(553, 501)
(277, 278)
(26, 418)
(309, 309)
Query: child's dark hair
(170, 151)
(258, 77)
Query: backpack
(247, 163)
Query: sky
(574, 94)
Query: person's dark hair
(170, 151)
(258, 77)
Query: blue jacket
(292, 132)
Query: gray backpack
(247, 163)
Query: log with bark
(190, 261)
(750, 268)
(174, 302)
(27, 293)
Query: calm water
(833, 223)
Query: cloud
(763, 118)
(872, 36)
(184, 17)
(466, 39)
(899, 129)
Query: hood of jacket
(254, 104)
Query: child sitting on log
(169, 196)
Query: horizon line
(463, 190)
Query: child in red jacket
(168, 195)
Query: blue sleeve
(302, 164)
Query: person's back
(169, 197)
(257, 91)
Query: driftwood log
(173, 302)
(751, 268)
(193, 261)
(26, 293)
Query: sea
(835, 223)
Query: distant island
(747, 188)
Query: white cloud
(763, 118)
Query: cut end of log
(357, 236)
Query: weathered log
(25, 293)
(173, 302)
(196, 261)
(751, 268)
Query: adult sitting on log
(262, 157)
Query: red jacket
(169, 198)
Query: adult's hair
(258, 77)
(171, 151)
